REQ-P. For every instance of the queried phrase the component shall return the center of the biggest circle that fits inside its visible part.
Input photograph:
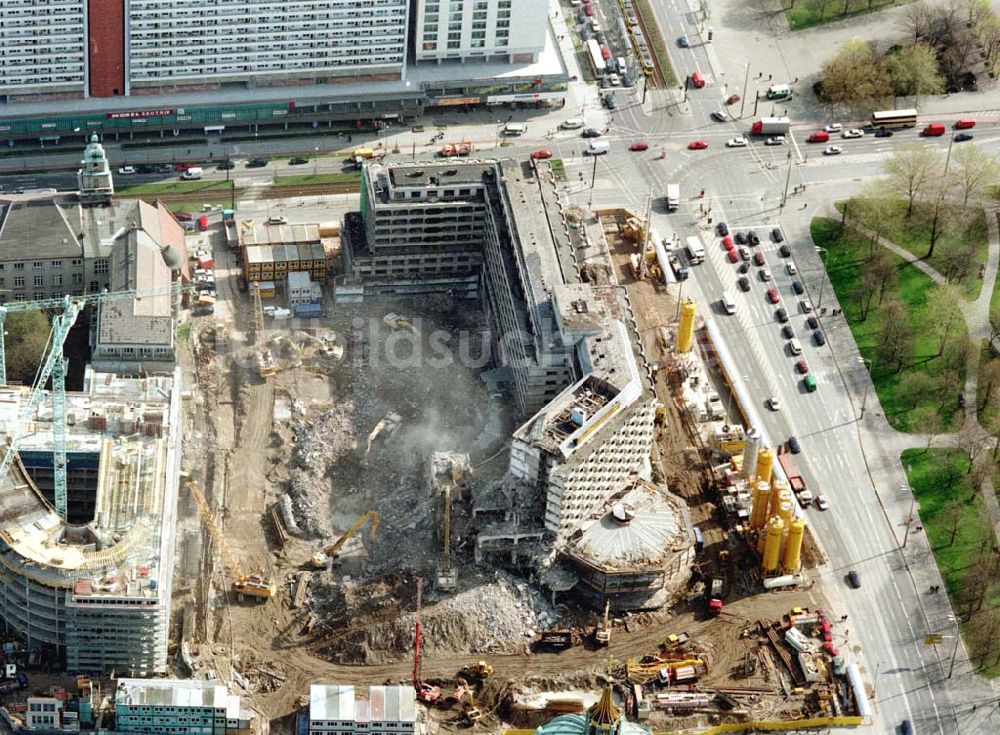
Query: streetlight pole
(788, 178)
(871, 371)
(909, 517)
(822, 283)
(746, 78)
(954, 654)
(593, 178)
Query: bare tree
(895, 335)
(883, 273)
(915, 21)
(978, 578)
(977, 11)
(957, 261)
(970, 441)
(980, 475)
(912, 169)
(983, 635)
(941, 315)
(993, 427)
(875, 208)
(973, 170)
(989, 381)
(928, 421)
(916, 385)
(951, 516)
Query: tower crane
(255, 585)
(54, 366)
(426, 693)
(320, 557)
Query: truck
(771, 126)
(795, 480)
(673, 197)
(695, 250)
(716, 595)
(681, 272)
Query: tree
(894, 336)
(26, 335)
(973, 170)
(993, 427)
(914, 71)
(915, 21)
(854, 78)
(957, 261)
(989, 381)
(917, 385)
(980, 475)
(874, 207)
(978, 10)
(970, 440)
(881, 273)
(951, 516)
(928, 422)
(942, 317)
(912, 169)
(978, 578)
(983, 634)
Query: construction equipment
(398, 321)
(461, 148)
(426, 693)
(258, 313)
(320, 557)
(256, 585)
(386, 427)
(602, 633)
(674, 640)
(557, 639)
(716, 596)
(447, 579)
(477, 671)
(472, 713)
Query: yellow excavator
(320, 557)
(256, 585)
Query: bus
(894, 119)
(596, 57)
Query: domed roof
(564, 725)
(604, 713)
(172, 258)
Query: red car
(802, 367)
(639, 145)
(589, 10)
(544, 153)
(605, 52)
(182, 167)
(727, 243)
(697, 145)
(772, 295)
(964, 124)
(733, 256)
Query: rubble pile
(319, 443)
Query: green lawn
(558, 169)
(807, 13)
(845, 257)
(337, 177)
(995, 299)
(914, 234)
(175, 187)
(938, 476)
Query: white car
(776, 140)
(773, 404)
(833, 128)
(853, 133)
(277, 221)
(832, 150)
(736, 143)
(765, 274)
(126, 170)
(791, 269)
(805, 306)
(821, 502)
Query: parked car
(591, 133)
(790, 269)
(147, 169)
(819, 338)
(744, 283)
(752, 238)
(781, 315)
(277, 221)
(697, 145)
(787, 331)
(784, 251)
(812, 322)
(797, 287)
(203, 311)
(727, 243)
(639, 145)
(758, 258)
(821, 502)
(776, 235)
(773, 403)
(541, 154)
(854, 579)
(793, 445)
(683, 42)
(722, 228)
(802, 367)
(741, 239)
(165, 168)
(609, 101)
(773, 296)
(732, 256)
(127, 170)
(298, 161)
(765, 274)
(744, 253)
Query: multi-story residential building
(480, 30)
(178, 707)
(43, 48)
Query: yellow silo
(761, 501)
(777, 487)
(764, 459)
(685, 330)
(786, 511)
(772, 546)
(793, 546)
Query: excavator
(478, 671)
(602, 633)
(256, 585)
(426, 693)
(320, 557)
(447, 579)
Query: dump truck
(795, 481)
(771, 126)
(675, 639)
(558, 639)
(716, 595)
(681, 272)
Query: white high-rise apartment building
(42, 46)
(480, 30)
(177, 42)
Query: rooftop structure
(270, 252)
(97, 591)
(179, 706)
(335, 709)
(505, 30)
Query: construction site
(494, 475)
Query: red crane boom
(425, 692)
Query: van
(964, 124)
(820, 136)
(795, 346)
(728, 302)
(934, 130)
(513, 129)
(572, 124)
(779, 92)
(622, 66)
(195, 172)
(597, 147)
(698, 80)
(595, 25)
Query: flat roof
(172, 693)
(36, 228)
(392, 704)
(331, 702)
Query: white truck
(695, 250)
(673, 197)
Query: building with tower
(94, 181)
(603, 718)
